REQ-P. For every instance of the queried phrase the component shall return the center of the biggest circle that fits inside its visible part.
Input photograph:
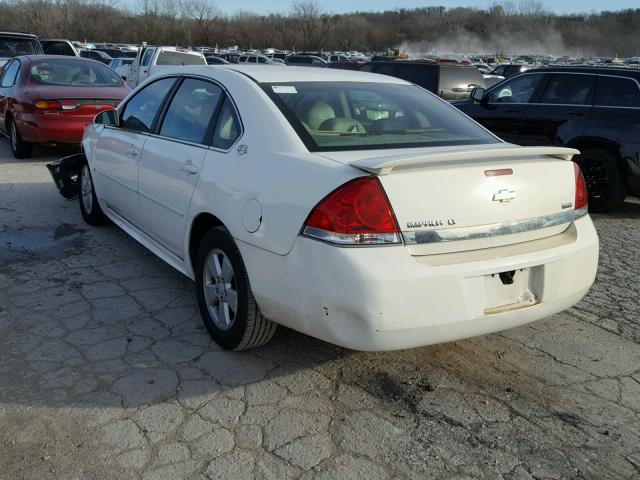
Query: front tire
(226, 301)
(605, 183)
(19, 148)
(89, 206)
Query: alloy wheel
(86, 190)
(596, 176)
(220, 289)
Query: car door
(561, 113)
(132, 78)
(7, 82)
(171, 161)
(117, 153)
(503, 107)
(143, 70)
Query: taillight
(56, 104)
(69, 104)
(357, 213)
(581, 202)
(48, 105)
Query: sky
(340, 6)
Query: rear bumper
(385, 299)
(53, 127)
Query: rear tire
(605, 183)
(89, 206)
(226, 302)
(19, 148)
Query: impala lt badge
(504, 195)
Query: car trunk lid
(468, 198)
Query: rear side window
(617, 92)
(564, 89)
(15, 46)
(141, 110)
(178, 58)
(58, 48)
(189, 115)
(10, 74)
(227, 128)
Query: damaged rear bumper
(65, 174)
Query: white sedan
(356, 208)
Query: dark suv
(451, 82)
(595, 110)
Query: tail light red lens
(357, 213)
(581, 202)
(48, 105)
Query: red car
(51, 99)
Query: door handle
(133, 152)
(189, 167)
(575, 114)
(513, 110)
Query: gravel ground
(107, 373)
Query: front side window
(69, 72)
(517, 90)
(228, 127)
(141, 110)
(566, 89)
(361, 116)
(189, 115)
(617, 92)
(10, 74)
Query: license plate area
(511, 290)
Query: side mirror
(477, 94)
(108, 117)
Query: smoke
(548, 42)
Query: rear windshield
(177, 58)
(333, 116)
(15, 46)
(74, 72)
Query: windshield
(178, 58)
(360, 116)
(15, 46)
(74, 72)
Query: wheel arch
(201, 224)
(587, 143)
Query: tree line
(524, 26)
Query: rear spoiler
(385, 165)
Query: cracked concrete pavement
(106, 372)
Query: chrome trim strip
(486, 231)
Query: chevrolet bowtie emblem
(504, 195)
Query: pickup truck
(151, 60)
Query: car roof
(604, 70)
(17, 34)
(284, 74)
(34, 58)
